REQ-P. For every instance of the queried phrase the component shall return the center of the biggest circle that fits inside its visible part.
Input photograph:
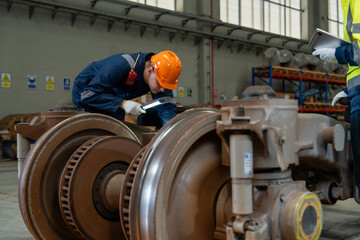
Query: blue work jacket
(101, 87)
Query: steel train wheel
(38, 187)
(178, 180)
(90, 186)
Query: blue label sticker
(248, 163)
(66, 85)
(31, 81)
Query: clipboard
(323, 39)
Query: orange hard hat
(167, 67)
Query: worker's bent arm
(99, 93)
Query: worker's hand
(133, 108)
(338, 96)
(326, 54)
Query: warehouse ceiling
(176, 24)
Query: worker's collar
(148, 56)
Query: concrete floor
(11, 224)
(341, 221)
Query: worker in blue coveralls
(350, 54)
(107, 85)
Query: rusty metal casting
(47, 121)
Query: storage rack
(297, 77)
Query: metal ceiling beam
(54, 12)
(93, 3)
(142, 30)
(171, 36)
(127, 20)
(9, 5)
(110, 24)
(157, 31)
(127, 10)
(239, 47)
(31, 11)
(127, 25)
(93, 19)
(197, 18)
(219, 43)
(184, 36)
(183, 22)
(73, 18)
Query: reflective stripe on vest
(87, 94)
(129, 59)
(349, 23)
(353, 82)
(356, 52)
(356, 28)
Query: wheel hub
(106, 190)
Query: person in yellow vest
(349, 54)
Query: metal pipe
(241, 172)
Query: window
(276, 16)
(167, 4)
(335, 18)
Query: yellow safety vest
(351, 13)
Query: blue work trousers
(355, 142)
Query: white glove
(133, 108)
(326, 54)
(338, 96)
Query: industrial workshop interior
(180, 119)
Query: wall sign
(50, 83)
(181, 91)
(31, 81)
(189, 92)
(66, 84)
(5, 80)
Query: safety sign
(5, 80)
(66, 84)
(189, 92)
(181, 91)
(50, 83)
(31, 81)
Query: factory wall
(43, 46)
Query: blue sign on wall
(66, 85)
(31, 79)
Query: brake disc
(90, 186)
